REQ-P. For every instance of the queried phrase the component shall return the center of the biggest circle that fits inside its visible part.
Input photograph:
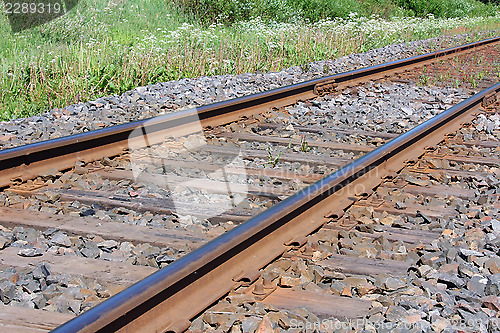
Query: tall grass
(108, 47)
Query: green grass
(229, 11)
(104, 47)
(85, 54)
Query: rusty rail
(168, 299)
(28, 161)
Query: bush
(447, 8)
(211, 11)
(315, 10)
(230, 11)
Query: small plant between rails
(33, 160)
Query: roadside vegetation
(210, 11)
(107, 47)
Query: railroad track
(146, 193)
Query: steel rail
(169, 298)
(28, 161)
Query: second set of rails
(241, 168)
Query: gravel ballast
(462, 285)
(161, 98)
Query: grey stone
(59, 279)
(466, 295)
(451, 280)
(8, 292)
(41, 271)
(52, 291)
(440, 324)
(61, 239)
(91, 250)
(197, 325)
(87, 212)
(61, 303)
(495, 225)
(467, 270)
(49, 232)
(165, 259)
(249, 325)
(75, 305)
(431, 258)
(469, 253)
(30, 252)
(493, 285)
(395, 313)
(477, 284)
(391, 284)
(31, 286)
(108, 244)
(424, 270)
(385, 300)
(39, 301)
(146, 250)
